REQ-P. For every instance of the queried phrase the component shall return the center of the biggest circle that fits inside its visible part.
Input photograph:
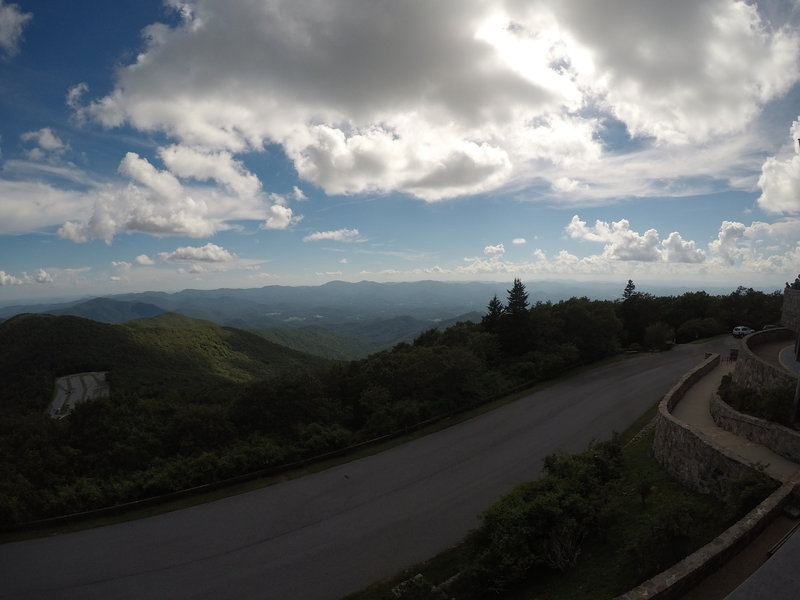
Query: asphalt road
(331, 533)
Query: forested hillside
(193, 402)
(152, 357)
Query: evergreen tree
(629, 292)
(517, 299)
(495, 311)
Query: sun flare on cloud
(542, 139)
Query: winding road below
(331, 533)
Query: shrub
(543, 523)
(773, 404)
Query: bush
(747, 491)
(773, 404)
(543, 523)
(662, 542)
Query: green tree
(658, 335)
(629, 291)
(517, 299)
(494, 312)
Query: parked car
(740, 331)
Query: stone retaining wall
(692, 458)
(686, 453)
(756, 373)
(790, 315)
(781, 440)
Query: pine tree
(630, 291)
(517, 299)
(495, 312)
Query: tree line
(146, 441)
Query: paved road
(328, 534)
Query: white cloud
(621, 242)
(187, 162)
(8, 279)
(27, 206)
(494, 251)
(339, 235)
(154, 202)
(459, 96)
(780, 179)
(759, 255)
(677, 250)
(121, 265)
(519, 241)
(709, 80)
(12, 22)
(280, 217)
(48, 144)
(143, 260)
(210, 253)
(624, 244)
(41, 276)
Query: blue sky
(150, 145)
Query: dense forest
(193, 402)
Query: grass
(650, 522)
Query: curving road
(331, 533)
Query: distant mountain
(360, 317)
(108, 310)
(316, 340)
(337, 301)
(353, 340)
(166, 354)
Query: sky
(148, 145)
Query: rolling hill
(151, 357)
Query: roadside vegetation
(194, 403)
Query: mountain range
(337, 320)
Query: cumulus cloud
(727, 245)
(780, 179)
(154, 202)
(143, 260)
(42, 276)
(12, 22)
(210, 253)
(621, 242)
(709, 80)
(188, 162)
(48, 144)
(624, 244)
(448, 98)
(8, 279)
(339, 235)
(280, 217)
(494, 251)
(519, 241)
(678, 250)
